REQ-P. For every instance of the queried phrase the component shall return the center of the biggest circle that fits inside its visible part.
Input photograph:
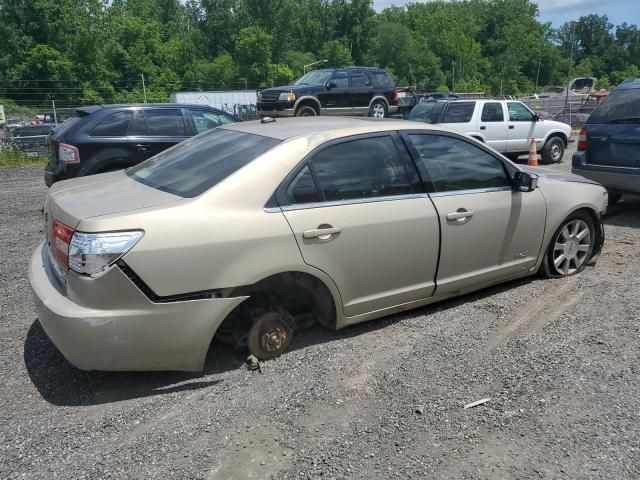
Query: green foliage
(96, 51)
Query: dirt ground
(559, 359)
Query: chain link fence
(24, 144)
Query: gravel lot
(559, 359)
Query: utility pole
(572, 40)
(144, 89)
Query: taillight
(583, 141)
(92, 253)
(68, 153)
(61, 236)
(395, 95)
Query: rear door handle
(143, 147)
(459, 215)
(483, 127)
(321, 233)
(511, 127)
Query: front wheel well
(308, 102)
(559, 135)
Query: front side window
(455, 164)
(365, 168)
(519, 113)
(196, 165)
(115, 125)
(492, 112)
(341, 79)
(165, 122)
(204, 120)
(459, 112)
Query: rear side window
(381, 79)
(302, 188)
(459, 112)
(492, 112)
(622, 106)
(454, 164)
(196, 165)
(165, 122)
(359, 79)
(365, 168)
(114, 125)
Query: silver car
(255, 230)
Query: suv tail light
(583, 141)
(68, 153)
(89, 253)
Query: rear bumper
(625, 180)
(136, 334)
(60, 171)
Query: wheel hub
(274, 341)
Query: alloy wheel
(378, 110)
(571, 247)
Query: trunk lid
(79, 199)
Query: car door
(335, 99)
(111, 134)
(361, 92)
(359, 214)
(493, 126)
(489, 231)
(165, 127)
(521, 127)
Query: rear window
(196, 165)
(459, 112)
(427, 112)
(622, 106)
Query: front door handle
(459, 215)
(321, 233)
(511, 127)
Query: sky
(560, 11)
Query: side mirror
(331, 85)
(525, 181)
(536, 117)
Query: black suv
(337, 91)
(104, 138)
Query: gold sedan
(254, 230)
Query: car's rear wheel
(270, 335)
(378, 109)
(571, 246)
(553, 150)
(306, 111)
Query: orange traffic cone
(533, 154)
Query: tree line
(94, 51)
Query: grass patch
(13, 159)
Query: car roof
(287, 128)
(629, 84)
(94, 108)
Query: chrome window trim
(351, 201)
(470, 192)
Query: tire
(306, 111)
(378, 109)
(553, 150)
(570, 248)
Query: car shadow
(625, 213)
(61, 384)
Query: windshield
(427, 112)
(196, 165)
(622, 106)
(315, 77)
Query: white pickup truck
(505, 125)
